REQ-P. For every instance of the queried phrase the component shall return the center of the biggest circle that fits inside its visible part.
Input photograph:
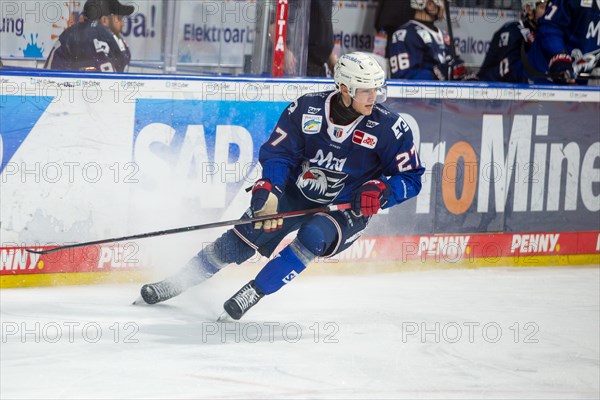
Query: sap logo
(444, 246)
(313, 110)
(328, 161)
(19, 260)
(290, 276)
(372, 124)
(180, 160)
(537, 243)
(364, 139)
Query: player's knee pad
(318, 234)
(227, 249)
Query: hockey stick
(450, 32)
(219, 224)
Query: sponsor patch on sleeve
(311, 124)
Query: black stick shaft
(198, 227)
(450, 32)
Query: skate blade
(224, 317)
(139, 301)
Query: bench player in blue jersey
(96, 43)
(503, 61)
(420, 50)
(327, 148)
(567, 41)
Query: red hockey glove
(370, 197)
(560, 69)
(453, 70)
(265, 201)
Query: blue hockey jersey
(415, 49)
(325, 162)
(567, 25)
(89, 46)
(503, 61)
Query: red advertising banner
(280, 36)
(463, 249)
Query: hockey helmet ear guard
(421, 4)
(360, 73)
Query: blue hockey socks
(288, 264)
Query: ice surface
(485, 333)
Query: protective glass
(364, 96)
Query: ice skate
(243, 300)
(157, 292)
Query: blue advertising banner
(18, 116)
(181, 149)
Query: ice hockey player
(95, 44)
(420, 50)
(567, 41)
(503, 61)
(327, 148)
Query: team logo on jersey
(338, 132)
(364, 139)
(587, 3)
(311, 124)
(313, 110)
(101, 47)
(425, 35)
(372, 124)
(320, 185)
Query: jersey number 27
(404, 159)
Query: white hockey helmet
(530, 15)
(421, 4)
(360, 71)
(530, 3)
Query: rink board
(513, 171)
(114, 263)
